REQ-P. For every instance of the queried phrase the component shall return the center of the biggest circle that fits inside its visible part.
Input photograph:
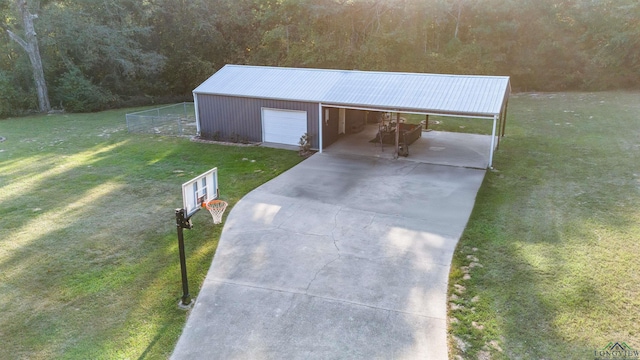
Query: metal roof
(465, 95)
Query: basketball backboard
(199, 190)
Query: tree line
(97, 54)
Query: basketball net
(216, 208)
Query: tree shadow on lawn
(91, 267)
(566, 276)
(83, 245)
(555, 230)
(550, 294)
(97, 292)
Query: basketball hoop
(216, 208)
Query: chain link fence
(177, 120)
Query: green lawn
(552, 248)
(89, 264)
(454, 124)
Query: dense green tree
(101, 42)
(185, 33)
(611, 41)
(128, 49)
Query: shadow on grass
(89, 265)
(160, 334)
(554, 230)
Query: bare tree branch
(18, 39)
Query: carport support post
(397, 135)
(504, 117)
(320, 125)
(493, 141)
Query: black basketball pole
(183, 223)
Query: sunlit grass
(454, 124)
(555, 233)
(89, 263)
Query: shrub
(13, 99)
(79, 94)
(305, 145)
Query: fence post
(180, 118)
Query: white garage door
(283, 126)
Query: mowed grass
(454, 124)
(551, 253)
(89, 265)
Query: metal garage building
(278, 105)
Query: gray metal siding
(225, 116)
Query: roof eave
(426, 111)
(366, 106)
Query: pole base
(188, 306)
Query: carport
(278, 105)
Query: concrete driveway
(341, 257)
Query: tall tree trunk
(455, 35)
(30, 45)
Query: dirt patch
(461, 344)
(205, 141)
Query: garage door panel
(283, 126)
